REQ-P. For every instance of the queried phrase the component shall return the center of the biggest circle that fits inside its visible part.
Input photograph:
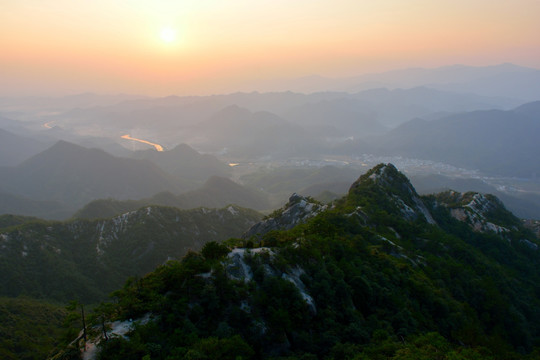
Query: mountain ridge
(369, 275)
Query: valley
(269, 180)
(272, 225)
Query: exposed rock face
(238, 269)
(529, 244)
(474, 209)
(533, 225)
(298, 210)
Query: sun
(168, 34)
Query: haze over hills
(216, 192)
(75, 175)
(20, 205)
(503, 80)
(140, 140)
(185, 162)
(273, 130)
(14, 148)
(494, 141)
(177, 114)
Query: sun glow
(168, 35)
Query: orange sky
(72, 46)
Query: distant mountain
(14, 149)
(186, 162)
(248, 135)
(20, 205)
(235, 125)
(106, 208)
(397, 106)
(220, 191)
(281, 182)
(14, 220)
(84, 259)
(239, 122)
(75, 175)
(86, 100)
(494, 141)
(57, 133)
(215, 193)
(367, 111)
(350, 116)
(504, 80)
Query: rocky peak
(478, 210)
(386, 187)
(298, 210)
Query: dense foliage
(29, 329)
(359, 281)
(87, 259)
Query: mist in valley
(60, 153)
(324, 179)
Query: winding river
(156, 146)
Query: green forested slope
(86, 259)
(383, 274)
(29, 329)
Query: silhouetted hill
(350, 116)
(75, 175)
(281, 182)
(493, 141)
(245, 134)
(215, 193)
(14, 149)
(186, 163)
(220, 191)
(503, 80)
(20, 205)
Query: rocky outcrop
(238, 268)
(391, 185)
(533, 225)
(474, 209)
(298, 210)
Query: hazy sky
(210, 46)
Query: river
(156, 146)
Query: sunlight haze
(205, 47)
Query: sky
(203, 47)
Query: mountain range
(502, 80)
(215, 193)
(75, 175)
(64, 177)
(381, 271)
(496, 142)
